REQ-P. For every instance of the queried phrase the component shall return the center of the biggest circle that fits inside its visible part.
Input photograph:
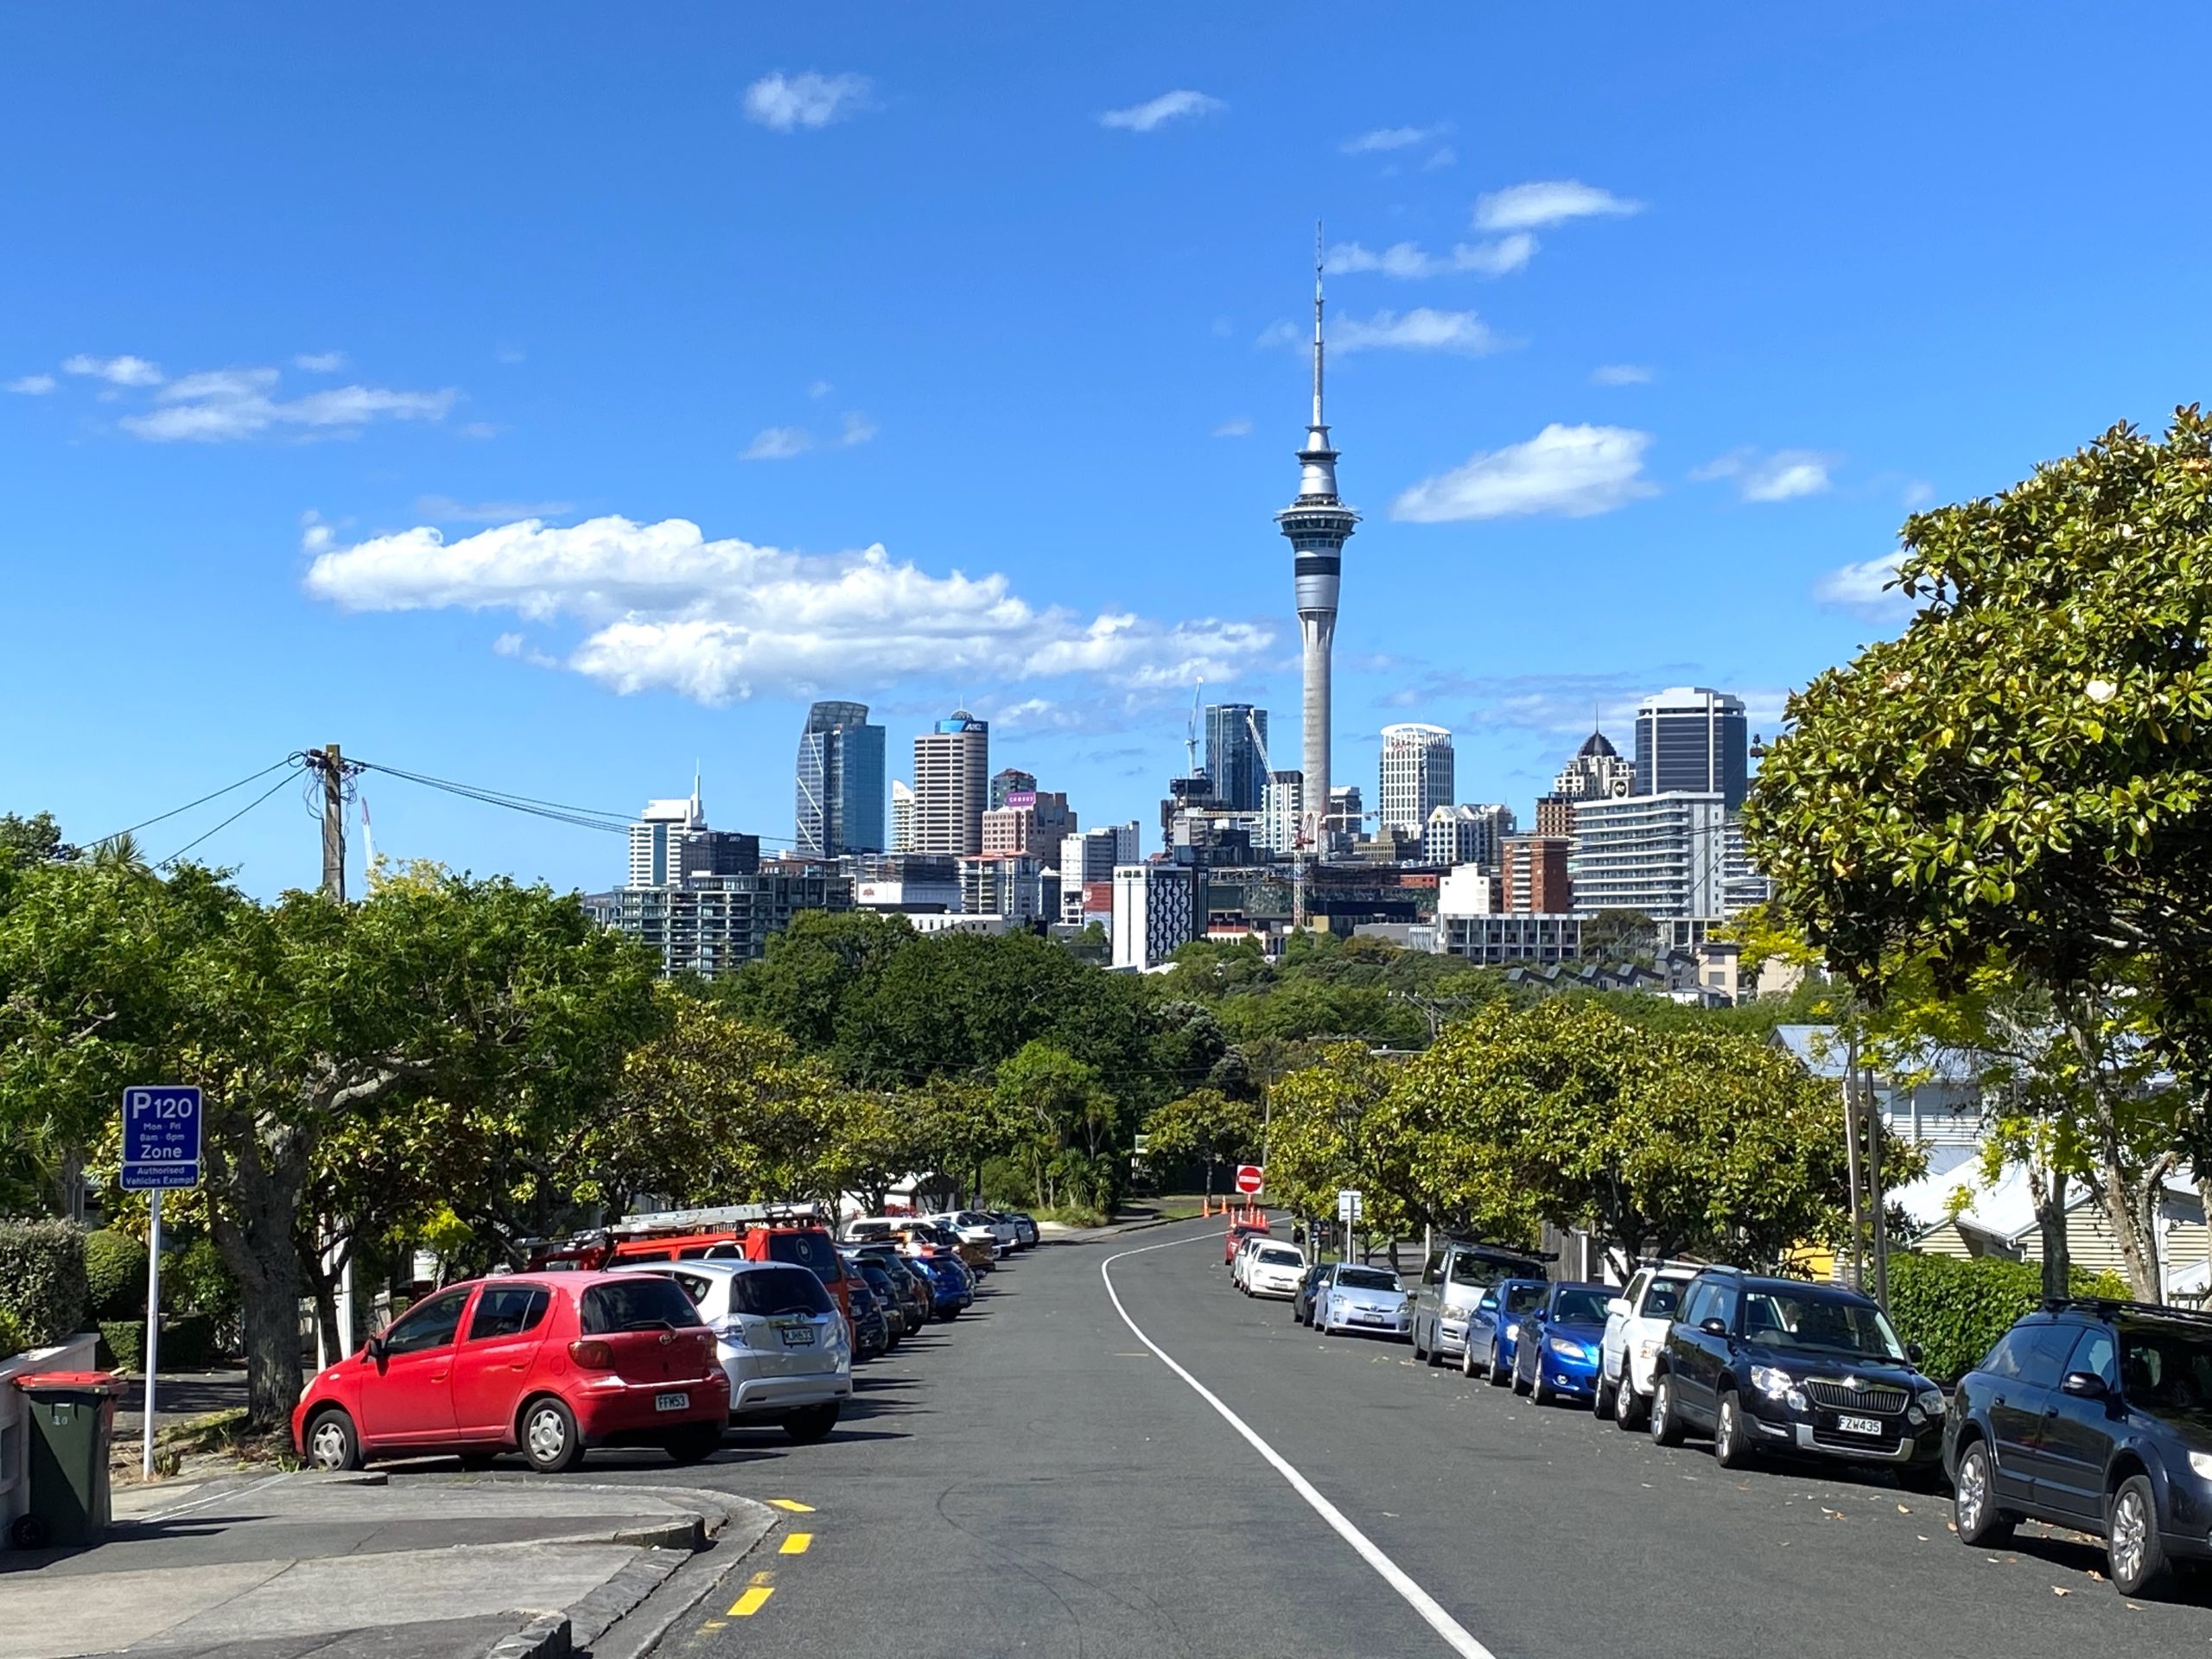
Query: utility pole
(327, 761)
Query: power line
(172, 859)
(582, 817)
(160, 817)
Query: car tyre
(1628, 1405)
(1419, 1353)
(1436, 1354)
(332, 1442)
(1601, 1397)
(948, 1314)
(1729, 1448)
(1666, 1427)
(549, 1438)
(2134, 1554)
(812, 1424)
(1495, 1369)
(695, 1444)
(1975, 1513)
(1538, 1393)
(1467, 1358)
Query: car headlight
(1930, 1401)
(1564, 1349)
(1646, 1348)
(1513, 1328)
(1772, 1381)
(2202, 1462)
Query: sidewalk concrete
(411, 1567)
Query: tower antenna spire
(1317, 323)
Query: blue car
(949, 1285)
(1557, 1355)
(1494, 1329)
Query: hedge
(12, 1341)
(1956, 1308)
(42, 1279)
(188, 1344)
(115, 1275)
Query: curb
(690, 1581)
(542, 1638)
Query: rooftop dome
(1596, 743)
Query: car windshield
(1817, 1319)
(1366, 1278)
(1277, 1255)
(1583, 1303)
(805, 1249)
(1484, 1271)
(2166, 1368)
(1520, 1299)
(645, 1301)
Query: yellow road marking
(791, 1505)
(752, 1601)
(762, 1577)
(798, 1544)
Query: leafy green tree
(2021, 778)
(1325, 1134)
(33, 840)
(1064, 1109)
(1205, 1127)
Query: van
(1458, 1271)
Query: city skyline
(560, 527)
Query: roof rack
(805, 1213)
(2120, 1304)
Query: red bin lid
(71, 1381)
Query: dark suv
(1785, 1365)
(2095, 1415)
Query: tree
(1205, 1126)
(1065, 1109)
(33, 840)
(2022, 777)
(1323, 1138)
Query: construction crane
(1191, 732)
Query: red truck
(795, 1233)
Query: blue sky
(1652, 323)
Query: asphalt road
(1034, 1480)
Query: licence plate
(671, 1402)
(798, 1336)
(1860, 1426)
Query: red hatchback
(546, 1364)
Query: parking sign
(161, 1137)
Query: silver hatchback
(1446, 1303)
(779, 1335)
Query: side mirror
(373, 1350)
(1912, 1351)
(1488, 1305)
(1715, 1327)
(1618, 1306)
(2084, 1385)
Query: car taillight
(592, 1355)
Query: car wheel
(695, 1444)
(1601, 1397)
(1435, 1355)
(812, 1424)
(1498, 1379)
(1974, 1510)
(2133, 1550)
(1538, 1393)
(1419, 1353)
(1664, 1428)
(1729, 1450)
(549, 1438)
(1628, 1405)
(1467, 1358)
(332, 1442)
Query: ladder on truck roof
(805, 1214)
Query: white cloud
(481, 430)
(1532, 207)
(857, 428)
(1394, 138)
(116, 371)
(445, 509)
(320, 362)
(664, 608)
(1782, 476)
(1621, 374)
(820, 390)
(1238, 428)
(1168, 106)
(777, 443)
(225, 405)
(1421, 329)
(33, 386)
(1573, 471)
(1507, 253)
(1865, 587)
(785, 103)
(1444, 155)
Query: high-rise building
(1282, 806)
(1416, 776)
(1665, 856)
(1596, 773)
(1346, 812)
(1693, 740)
(1467, 835)
(1090, 855)
(1030, 821)
(902, 817)
(657, 839)
(712, 925)
(1233, 753)
(952, 763)
(1534, 876)
(1006, 781)
(1012, 884)
(840, 787)
(1155, 912)
(1317, 525)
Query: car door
(2078, 1430)
(1698, 1354)
(1613, 1346)
(491, 1366)
(407, 1400)
(2024, 1372)
(1426, 1295)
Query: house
(1939, 1110)
(2000, 1220)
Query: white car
(781, 1341)
(1273, 1269)
(1242, 1259)
(973, 1227)
(1635, 1329)
(1355, 1297)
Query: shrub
(189, 1344)
(1956, 1309)
(115, 1275)
(201, 1282)
(12, 1340)
(123, 1344)
(42, 1279)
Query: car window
(1815, 1316)
(1661, 1299)
(696, 1286)
(1521, 1298)
(1585, 1305)
(2097, 1354)
(1634, 1292)
(1367, 1279)
(1468, 1268)
(769, 1291)
(507, 1311)
(1701, 1306)
(428, 1325)
(2037, 1353)
(1724, 1304)
(2167, 1368)
(647, 1302)
(1279, 1255)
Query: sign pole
(153, 1331)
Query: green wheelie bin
(72, 1419)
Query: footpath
(345, 1566)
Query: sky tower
(1317, 525)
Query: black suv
(1785, 1365)
(2095, 1415)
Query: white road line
(1455, 1635)
(215, 1498)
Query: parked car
(1026, 1225)
(1556, 1354)
(548, 1364)
(952, 1291)
(1780, 1365)
(1274, 1269)
(1495, 1325)
(910, 1284)
(2094, 1415)
(889, 1297)
(1309, 1285)
(779, 1336)
(1453, 1281)
(1241, 1264)
(1635, 1324)
(1238, 1233)
(972, 1227)
(1359, 1298)
(871, 1330)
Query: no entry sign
(1249, 1179)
